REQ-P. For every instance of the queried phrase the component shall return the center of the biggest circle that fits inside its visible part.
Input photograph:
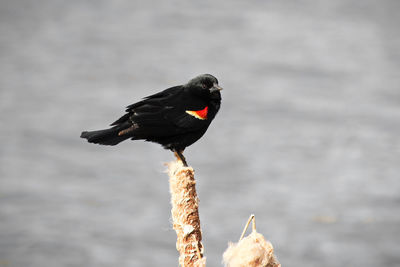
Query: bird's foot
(179, 156)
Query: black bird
(175, 118)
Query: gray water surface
(307, 138)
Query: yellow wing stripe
(194, 114)
(199, 114)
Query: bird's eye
(203, 85)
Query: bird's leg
(179, 156)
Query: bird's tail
(109, 137)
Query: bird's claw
(179, 156)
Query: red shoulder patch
(199, 114)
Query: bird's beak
(215, 88)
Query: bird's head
(206, 84)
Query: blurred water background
(307, 137)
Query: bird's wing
(168, 109)
(157, 99)
(153, 104)
(189, 118)
(188, 122)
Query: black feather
(108, 137)
(163, 117)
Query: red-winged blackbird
(175, 118)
